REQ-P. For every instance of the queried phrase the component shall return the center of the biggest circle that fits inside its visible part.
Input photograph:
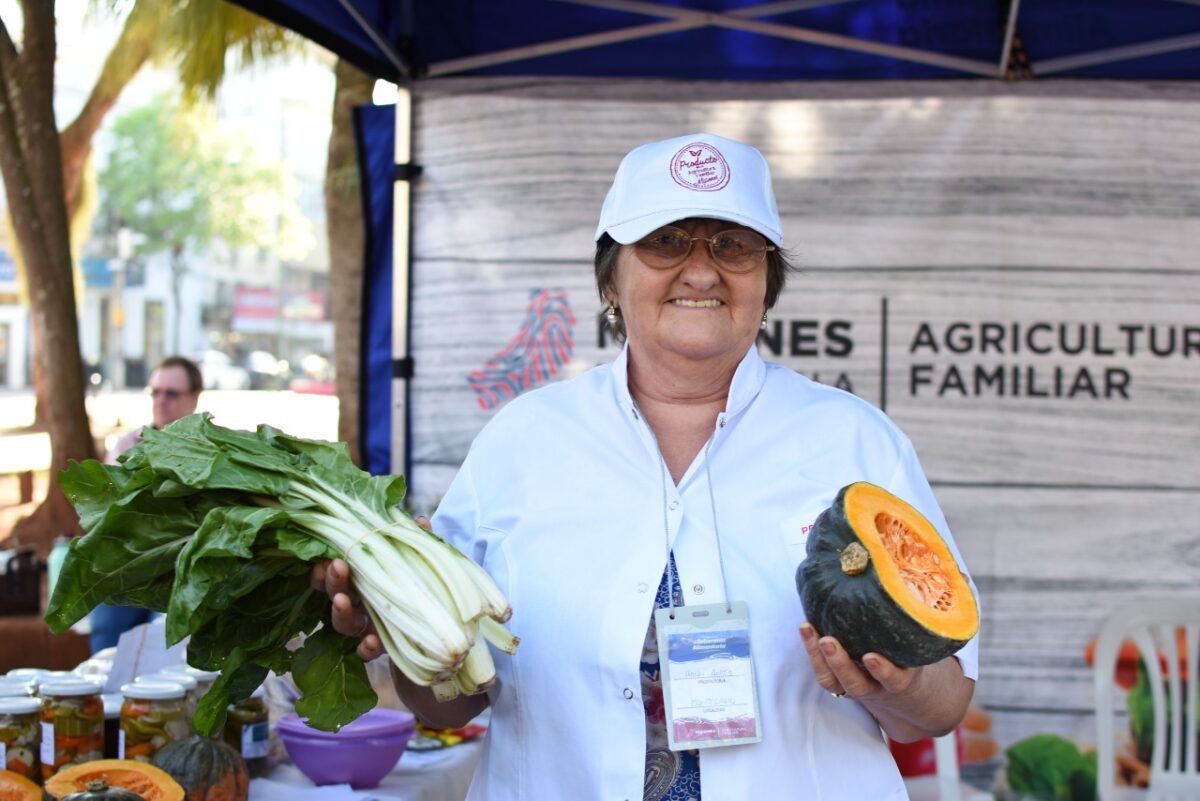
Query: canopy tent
(754, 40)
(405, 41)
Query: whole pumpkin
(146, 781)
(15, 787)
(208, 770)
(878, 577)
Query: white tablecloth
(441, 775)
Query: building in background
(14, 325)
(252, 305)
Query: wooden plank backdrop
(1011, 272)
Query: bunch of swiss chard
(219, 529)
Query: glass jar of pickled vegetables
(189, 683)
(72, 719)
(204, 678)
(247, 730)
(152, 716)
(20, 732)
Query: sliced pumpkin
(879, 577)
(149, 782)
(15, 787)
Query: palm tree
(343, 218)
(44, 173)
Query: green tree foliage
(176, 179)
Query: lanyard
(712, 502)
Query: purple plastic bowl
(360, 755)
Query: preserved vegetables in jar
(20, 733)
(247, 730)
(152, 716)
(204, 678)
(72, 724)
(190, 684)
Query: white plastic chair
(1152, 626)
(945, 784)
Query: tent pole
(1010, 30)
(1157, 47)
(402, 71)
(401, 287)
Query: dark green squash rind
(206, 769)
(105, 793)
(854, 609)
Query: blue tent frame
(417, 40)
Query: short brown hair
(608, 249)
(195, 379)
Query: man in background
(175, 390)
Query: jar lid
(153, 690)
(19, 706)
(25, 673)
(16, 687)
(63, 687)
(194, 672)
(188, 682)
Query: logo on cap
(701, 167)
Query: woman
(689, 464)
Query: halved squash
(15, 787)
(144, 779)
(879, 577)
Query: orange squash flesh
(15, 787)
(878, 577)
(146, 780)
(913, 560)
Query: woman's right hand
(332, 576)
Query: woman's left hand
(909, 703)
(841, 676)
(838, 673)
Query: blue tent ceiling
(754, 40)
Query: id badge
(709, 694)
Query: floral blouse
(670, 775)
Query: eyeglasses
(169, 394)
(738, 250)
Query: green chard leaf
(220, 528)
(333, 680)
(184, 452)
(123, 557)
(237, 681)
(219, 550)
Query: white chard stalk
(435, 610)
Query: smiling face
(695, 309)
(172, 395)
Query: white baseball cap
(698, 175)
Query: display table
(441, 775)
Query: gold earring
(612, 313)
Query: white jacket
(561, 498)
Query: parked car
(266, 371)
(314, 376)
(220, 372)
